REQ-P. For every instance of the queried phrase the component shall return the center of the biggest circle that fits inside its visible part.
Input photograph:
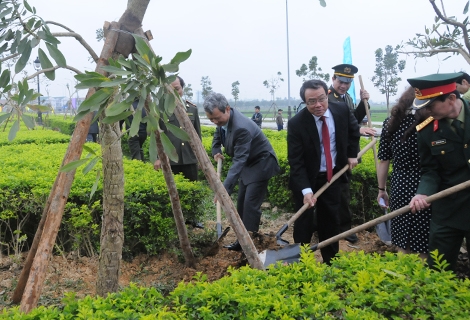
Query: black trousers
(328, 217)
(250, 198)
(344, 211)
(189, 171)
(135, 146)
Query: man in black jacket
(322, 139)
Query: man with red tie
(322, 139)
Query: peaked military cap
(464, 76)
(429, 87)
(345, 72)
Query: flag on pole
(347, 58)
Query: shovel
(219, 214)
(291, 253)
(283, 229)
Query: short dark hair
(257, 107)
(279, 110)
(312, 84)
(181, 81)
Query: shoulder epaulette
(423, 124)
(190, 103)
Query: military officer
(443, 146)
(338, 92)
(187, 161)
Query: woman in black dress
(398, 144)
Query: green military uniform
(345, 73)
(445, 162)
(187, 161)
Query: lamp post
(288, 66)
(37, 66)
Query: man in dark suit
(257, 117)
(322, 139)
(253, 159)
(338, 92)
(444, 158)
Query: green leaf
(90, 165)
(96, 99)
(88, 75)
(46, 64)
(135, 123)
(170, 67)
(27, 6)
(5, 13)
(4, 47)
(21, 63)
(73, 165)
(117, 71)
(180, 57)
(169, 148)
(141, 61)
(3, 117)
(143, 49)
(13, 130)
(119, 117)
(95, 185)
(169, 103)
(56, 55)
(113, 83)
(153, 154)
(49, 37)
(177, 131)
(465, 10)
(90, 83)
(323, 3)
(28, 121)
(89, 150)
(117, 108)
(4, 78)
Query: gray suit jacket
(253, 157)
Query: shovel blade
(287, 254)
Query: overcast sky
(245, 40)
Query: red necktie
(326, 146)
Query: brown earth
(78, 274)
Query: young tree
(235, 91)
(386, 72)
(273, 84)
(206, 86)
(188, 92)
(446, 35)
(312, 72)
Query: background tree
(273, 84)
(446, 35)
(386, 72)
(312, 71)
(188, 92)
(206, 86)
(235, 91)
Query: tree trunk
(175, 204)
(112, 230)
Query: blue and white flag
(347, 58)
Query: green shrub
(62, 123)
(356, 286)
(38, 136)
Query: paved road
(272, 125)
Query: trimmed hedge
(356, 286)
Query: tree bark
(175, 204)
(112, 230)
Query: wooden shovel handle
(393, 214)
(326, 185)
(219, 171)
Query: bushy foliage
(37, 136)
(356, 286)
(62, 123)
(148, 217)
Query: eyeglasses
(314, 101)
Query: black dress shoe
(235, 246)
(352, 238)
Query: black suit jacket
(253, 157)
(303, 144)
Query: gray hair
(215, 100)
